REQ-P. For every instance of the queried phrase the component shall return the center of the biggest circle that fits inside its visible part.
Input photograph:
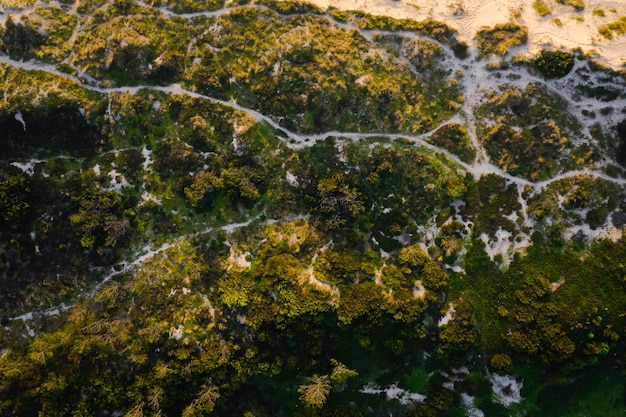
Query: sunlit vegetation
(616, 28)
(576, 4)
(541, 8)
(498, 40)
(328, 77)
(598, 12)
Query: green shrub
(541, 8)
(554, 64)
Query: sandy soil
(578, 29)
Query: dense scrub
(271, 209)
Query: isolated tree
(314, 393)
(204, 402)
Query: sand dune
(565, 27)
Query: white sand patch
(606, 232)
(292, 179)
(506, 389)
(308, 277)
(146, 196)
(238, 258)
(117, 181)
(276, 69)
(470, 408)
(404, 239)
(512, 217)
(230, 228)
(322, 286)
(18, 116)
(418, 290)
(448, 316)
(427, 233)
(362, 80)
(177, 333)
(378, 276)
(293, 239)
(27, 167)
(504, 245)
(555, 285)
(147, 156)
(393, 392)
(449, 385)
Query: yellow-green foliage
(615, 28)
(498, 40)
(17, 4)
(541, 8)
(576, 4)
(127, 48)
(57, 25)
(316, 390)
(501, 363)
(520, 136)
(598, 12)
(188, 6)
(32, 89)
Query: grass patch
(598, 12)
(541, 8)
(498, 40)
(612, 29)
(576, 4)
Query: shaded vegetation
(554, 64)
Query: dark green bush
(554, 64)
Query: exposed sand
(579, 29)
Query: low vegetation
(616, 28)
(541, 8)
(498, 40)
(576, 4)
